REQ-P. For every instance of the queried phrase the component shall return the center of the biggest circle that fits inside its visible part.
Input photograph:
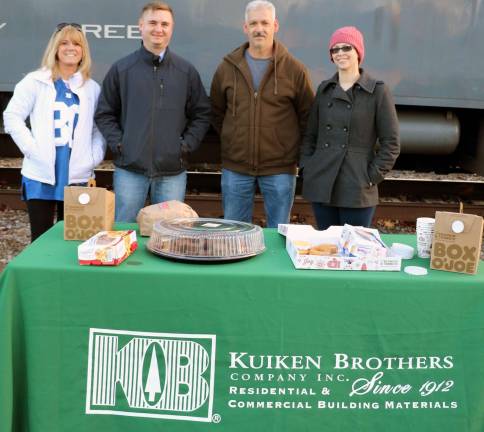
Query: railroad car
(428, 51)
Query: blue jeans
(238, 192)
(131, 190)
(326, 215)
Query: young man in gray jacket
(152, 111)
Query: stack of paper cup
(425, 233)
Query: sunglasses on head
(62, 25)
(344, 48)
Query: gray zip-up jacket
(152, 112)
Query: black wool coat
(351, 142)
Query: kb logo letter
(159, 375)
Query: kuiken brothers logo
(158, 375)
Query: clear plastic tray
(206, 239)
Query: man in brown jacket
(261, 97)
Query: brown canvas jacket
(261, 132)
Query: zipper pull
(255, 96)
(156, 63)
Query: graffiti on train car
(112, 31)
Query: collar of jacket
(149, 57)
(45, 75)
(365, 81)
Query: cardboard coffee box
(457, 242)
(87, 211)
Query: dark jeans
(327, 216)
(41, 215)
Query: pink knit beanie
(351, 36)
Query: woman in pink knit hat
(351, 140)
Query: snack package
(164, 211)
(107, 248)
(357, 241)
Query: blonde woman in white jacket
(63, 145)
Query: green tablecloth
(158, 345)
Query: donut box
(338, 248)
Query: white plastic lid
(205, 239)
(402, 250)
(415, 270)
(458, 226)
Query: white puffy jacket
(34, 96)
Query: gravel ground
(15, 232)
